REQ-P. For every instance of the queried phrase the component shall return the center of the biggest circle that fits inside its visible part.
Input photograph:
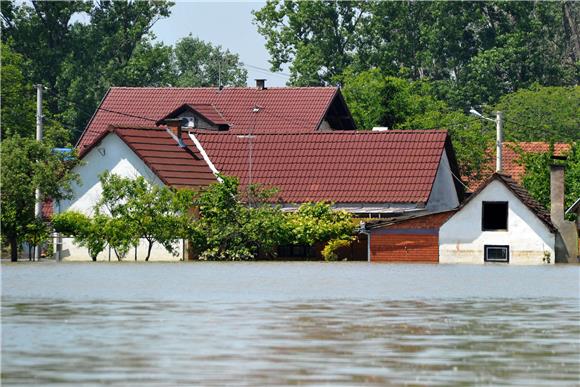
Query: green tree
(18, 107)
(144, 210)
(231, 229)
(86, 231)
(319, 223)
(199, 63)
(27, 164)
(473, 51)
(378, 100)
(541, 113)
(77, 61)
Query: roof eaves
(93, 117)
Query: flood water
(266, 324)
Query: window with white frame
(496, 253)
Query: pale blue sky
(228, 24)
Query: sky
(228, 24)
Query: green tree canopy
(78, 50)
(27, 164)
(201, 64)
(474, 52)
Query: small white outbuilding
(500, 222)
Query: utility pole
(499, 141)
(39, 130)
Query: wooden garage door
(405, 248)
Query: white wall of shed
(461, 239)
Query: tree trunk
(149, 250)
(13, 249)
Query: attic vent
(188, 122)
(380, 129)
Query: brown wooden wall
(405, 248)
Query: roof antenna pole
(499, 141)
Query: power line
(81, 109)
(282, 74)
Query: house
(281, 109)
(371, 174)
(500, 222)
(152, 153)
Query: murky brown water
(290, 323)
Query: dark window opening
(497, 253)
(494, 216)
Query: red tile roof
(341, 166)
(298, 109)
(512, 161)
(176, 166)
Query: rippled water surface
(290, 323)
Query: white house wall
(443, 194)
(113, 155)
(461, 239)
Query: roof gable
(341, 166)
(207, 111)
(520, 193)
(296, 109)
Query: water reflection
(284, 339)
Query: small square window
(497, 253)
(494, 216)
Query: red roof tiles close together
(297, 109)
(343, 167)
(176, 166)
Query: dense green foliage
(229, 224)
(239, 225)
(27, 164)
(537, 177)
(79, 49)
(473, 52)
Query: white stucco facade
(112, 155)
(461, 239)
(443, 193)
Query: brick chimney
(174, 125)
(260, 84)
(557, 193)
(566, 243)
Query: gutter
(205, 156)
